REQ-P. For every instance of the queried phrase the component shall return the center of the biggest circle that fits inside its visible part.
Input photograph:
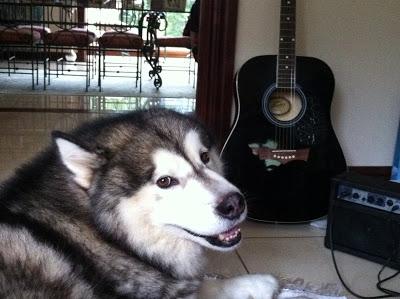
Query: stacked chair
(127, 40)
(20, 36)
(179, 42)
(72, 35)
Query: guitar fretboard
(286, 64)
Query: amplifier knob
(395, 208)
(370, 199)
(356, 195)
(380, 202)
(389, 202)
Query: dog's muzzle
(232, 207)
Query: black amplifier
(364, 218)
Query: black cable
(388, 293)
(396, 248)
(381, 281)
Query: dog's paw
(254, 286)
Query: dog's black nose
(232, 206)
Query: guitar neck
(286, 64)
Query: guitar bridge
(282, 155)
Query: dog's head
(154, 177)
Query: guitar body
(284, 166)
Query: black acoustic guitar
(282, 150)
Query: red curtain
(215, 85)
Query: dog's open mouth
(225, 239)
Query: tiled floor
(287, 251)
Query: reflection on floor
(83, 103)
(288, 251)
(26, 121)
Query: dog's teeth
(229, 235)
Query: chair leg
(87, 69)
(104, 63)
(48, 71)
(137, 68)
(32, 67)
(99, 71)
(14, 63)
(140, 70)
(48, 67)
(44, 67)
(37, 64)
(8, 64)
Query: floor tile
(226, 264)
(308, 259)
(24, 134)
(252, 229)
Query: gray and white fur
(122, 207)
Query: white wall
(360, 40)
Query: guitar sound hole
(284, 108)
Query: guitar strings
(293, 98)
(292, 94)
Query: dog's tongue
(229, 234)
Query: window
(116, 15)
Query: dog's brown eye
(205, 157)
(166, 182)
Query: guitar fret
(290, 87)
(286, 75)
(286, 72)
(286, 82)
(287, 27)
(287, 61)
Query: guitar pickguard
(274, 157)
(269, 144)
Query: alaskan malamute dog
(122, 207)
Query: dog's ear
(80, 161)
